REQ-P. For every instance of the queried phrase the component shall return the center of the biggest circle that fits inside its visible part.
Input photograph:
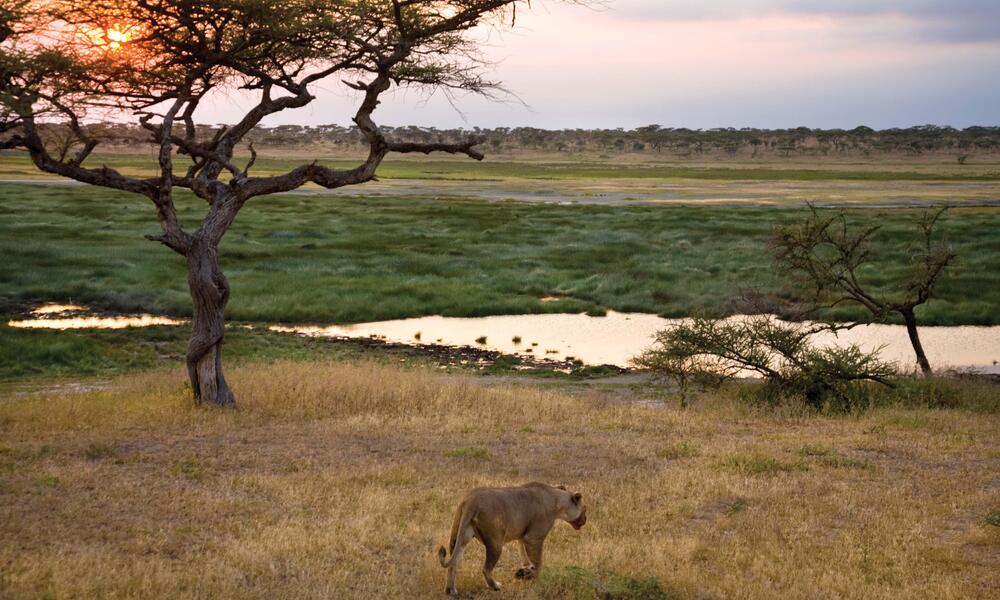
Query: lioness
(499, 515)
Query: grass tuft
(578, 583)
(97, 451)
(993, 517)
(676, 451)
(189, 468)
(474, 452)
(759, 464)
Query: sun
(116, 37)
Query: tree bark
(911, 329)
(209, 295)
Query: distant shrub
(481, 339)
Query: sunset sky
(717, 63)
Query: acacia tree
(831, 257)
(709, 351)
(160, 60)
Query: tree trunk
(911, 329)
(209, 295)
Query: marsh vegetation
(357, 259)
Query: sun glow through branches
(116, 37)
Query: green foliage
(34, 354)
(579, 583)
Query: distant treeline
(651, 139)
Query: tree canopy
(158, 61)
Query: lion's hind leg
(493, 551)
(464, 536)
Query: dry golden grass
(338, 481)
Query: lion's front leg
(532, 552)
(525, 571)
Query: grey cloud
(692, 9)
(946, 21)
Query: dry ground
(338, 481)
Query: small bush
(481, 339)
(707, 351)
(578, 583)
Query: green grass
(75, 354)
(676, 451)
(477, 452)
(578, 583)
(758, 464)
(352, 259)
(993, 517)
(142, 161)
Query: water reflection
(52, 309)
(617, 337)
(613, 339)
(92, 322)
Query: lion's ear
(577, 497)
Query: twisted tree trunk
(911, 329)
(209, 295)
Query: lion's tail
(463, 517)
